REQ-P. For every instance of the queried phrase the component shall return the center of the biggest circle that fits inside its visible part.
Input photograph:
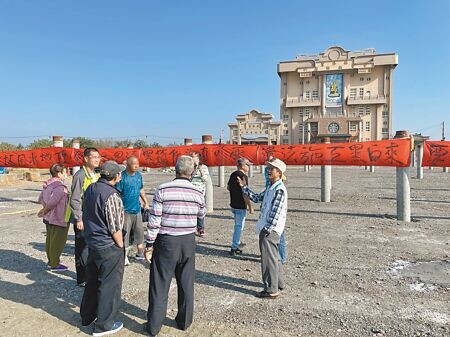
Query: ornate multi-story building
(255, 127)
(344, 95)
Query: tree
(84, 142)
(123, 143)
(104, 143)
(155, 144)
(40, 143)
(174, 144)
(140, 143)
(6, 146)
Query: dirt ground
(352, 270)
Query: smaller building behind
(255, 127)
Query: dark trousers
(172, 255)
(271, 267)
(81, 255)
(101, 298)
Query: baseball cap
(110, 168)
(244, 161)
(277, 163)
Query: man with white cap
(270, 226)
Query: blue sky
(174, 69)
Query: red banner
(436, 153)
(377, 153)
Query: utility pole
(445, 169)
(443, 130)
(221, 182)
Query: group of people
(104, 205)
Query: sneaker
(127, 262)
(234, 252)
(117, 326)
(140, 257)
(59, 267)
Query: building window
(367, 109)
(361, 110)
(367, 126)
(385, 114)
(307, 82)
(352, 92)
(301, 82)
(315, 94)
(353, 127)
(361, 92)
(385, 123)
(285, 141)
(361, 79)
(368, 78)
(307, 95)
(286, 132)
(285, 117)
(314, 128)
(385, 131)
(307, 113)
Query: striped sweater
(175, 208)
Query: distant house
(255, 127)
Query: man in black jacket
(103, 219)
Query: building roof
(337, 58)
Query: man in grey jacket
(80, 182)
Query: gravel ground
(353, 269)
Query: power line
(24, 137)
(428, 128)
(105, 138)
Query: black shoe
(234, 252)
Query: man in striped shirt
(170, 245)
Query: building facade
(340, 94)
(255, 127)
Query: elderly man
(131, 188)
(170, 243)
(103, 219)
(270, 226)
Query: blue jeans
(239, 223)
(282, 248)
